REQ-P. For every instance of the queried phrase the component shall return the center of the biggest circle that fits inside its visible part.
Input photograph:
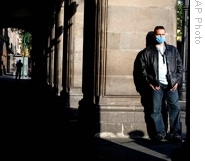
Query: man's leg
(174, 115)
(165, 113)
(156, 114)
(16, 76)
(20, 74)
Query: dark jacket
(19, 65)
(140, 84)
(149, 65)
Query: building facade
(86, 56)
(10, 47)
(92, 63)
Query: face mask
(160, 39)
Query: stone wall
(127, 26)
(122, 34)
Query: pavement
(34, 128)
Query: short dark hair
(158, 27)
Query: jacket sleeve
(180, 68)
(137, 75)
(143, 68)
(175, 67)
(139, 72)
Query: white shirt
(162, 65)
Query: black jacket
(140, 84)
(149, 65)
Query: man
(19, 66)
(161, 69)
(141, 88)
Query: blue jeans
(172, 99)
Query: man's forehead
(160, 31)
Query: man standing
(19, 66)
(141, 88)
(161, 69)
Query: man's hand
(154, 88)
(175, 87)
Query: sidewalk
(142, 149)
(33, 130)
(134, 150)
(11, 77)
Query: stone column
(75, 22)
(59, 46)
(48, 61)
(87, 113)
(51, 60)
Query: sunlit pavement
(35, 129)
(10, 76)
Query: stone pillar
(87, 108)
(65, 64)
(36, 58)
(51, 52)
(51, 56)
(48, 61)
(65, 54)
(59, 46)
(75, 13)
